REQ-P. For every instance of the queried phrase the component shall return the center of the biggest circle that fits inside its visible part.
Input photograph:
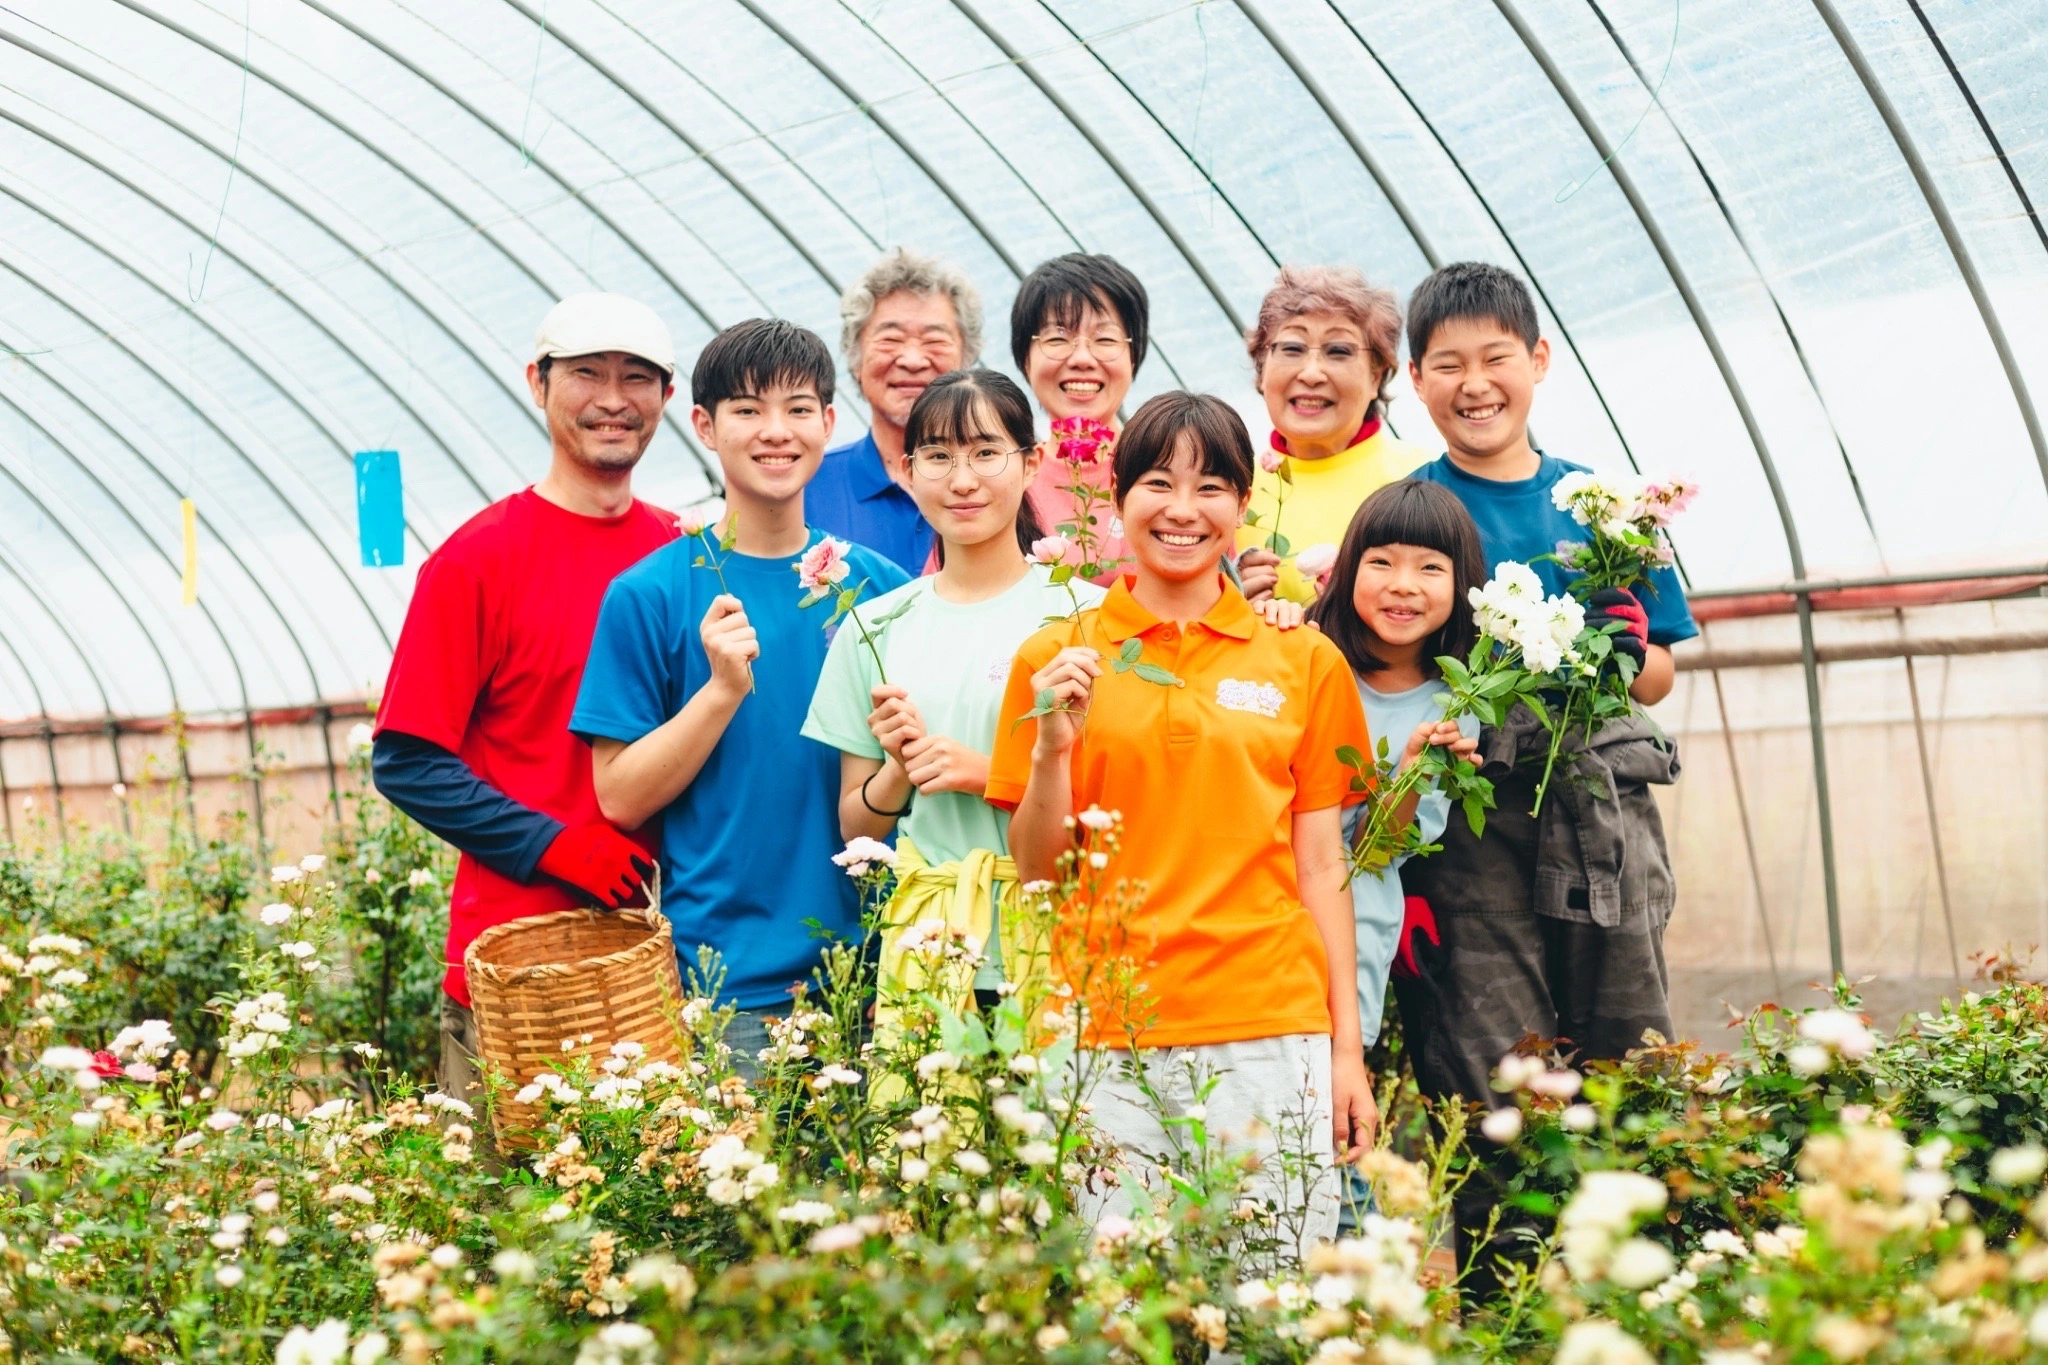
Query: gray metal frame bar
(705, 464)
(1529, 273)
(2012, 174)
(432, 316)
(1943, 219)
(1109, 159)
(1705, 326)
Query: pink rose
(690, 523)
(1270, 460)
(1316, 561)
(1082, 440)
(1050, 550)
(823, 566)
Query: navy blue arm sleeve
(438, 789)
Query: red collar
(1365, 433)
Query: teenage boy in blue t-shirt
(1532, 928)
(700, 674)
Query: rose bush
(260, 1174)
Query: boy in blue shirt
(701, 671)
(1550, 926)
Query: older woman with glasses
(1324, 350)
(914, 750)
(1078, 335)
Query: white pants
(1269, 1095)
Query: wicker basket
(535, 982)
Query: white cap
(589, 324)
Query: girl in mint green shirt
(914, 751)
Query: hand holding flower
(1063, 689)
(730, 643)
(895, 721)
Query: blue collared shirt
(854, 498)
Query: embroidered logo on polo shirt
(999, 671)
(1255, 698)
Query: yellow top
(1320, 502)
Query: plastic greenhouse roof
(237, 245)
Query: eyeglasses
(934, 462)
(1103, 346)
(1292, 355)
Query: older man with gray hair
(908, 320)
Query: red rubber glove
(1619, 604)
(1416, 917)
(599, 861)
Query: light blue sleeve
(841, 703)
(1433, 811)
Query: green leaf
(1046, 699)
(1350, 757)
(1062, 573)
(698, 561)
(1475, 814)
(1280, 545)
(1251, 518)
(1133, 647)
(732, 532)
(1287, 472)
(1153, 673)
(963, 1035)
(886, 617)
(847, 597)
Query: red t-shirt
(488, 666)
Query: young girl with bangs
(1216, 736)
(914, 749)
(1397, 600)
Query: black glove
(1619, 604)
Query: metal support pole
(1611, 157)
(56, 782)
(120, 778)
(1948, 915)
(6, 796)
(1756, 872)
(256, 785)
(326, 714)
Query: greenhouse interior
(1791, 251)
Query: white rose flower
(2018, 1165)
(1502, 1126)
(1639, 1263)
(276, 913)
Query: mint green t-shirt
(953, 659)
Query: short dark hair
(1470, 289)
(1057, 291)
(1409, 512)
(758, 354)
(1154, 433)
(952, 408)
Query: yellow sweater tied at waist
(933, 911)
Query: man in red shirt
(473, 732)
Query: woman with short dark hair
(1078, 332)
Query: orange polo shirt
(1208, 776)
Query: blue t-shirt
(853, 497)
(746, 850)
(1517, 520)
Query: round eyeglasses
(1059, 345)
(1292, 355)
(936, 462)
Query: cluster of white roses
(257, 1026)
(1829, 1034)
(737, 1172)
(1377, 1271)
(1594, 1232)
(1616, 506)
(1512, 609)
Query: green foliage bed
(264, 1175)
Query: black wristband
(891, 814)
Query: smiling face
(769, 443)
(1178, 520)
(1318, 379)
(910, 340)
(1090, 380)
(1404, 594)
(602, 409)
(964, 506)
(1478, 380)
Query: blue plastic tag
(380, 508)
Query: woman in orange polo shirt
(1222, 758)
